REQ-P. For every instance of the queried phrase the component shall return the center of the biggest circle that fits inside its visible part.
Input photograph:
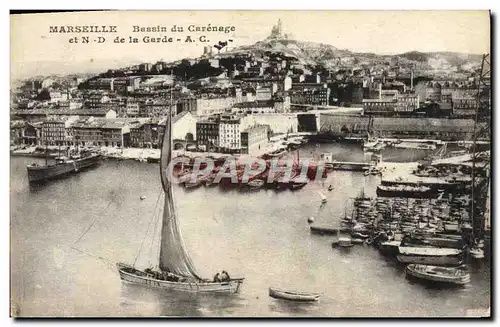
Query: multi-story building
(137, 135)
(147, 134)
(133, 107)
(264, 93)
(254, 138)
(101, 132)
(207, 132)
(87, 132)
(229, 135)
(310, 93)
(115, 134)
(145, 67)
(464, 106)
(379, 106)
(407, 102)
(254, 107)
(205, 106)
(32, 133)
(55, 130)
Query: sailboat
(175, 269)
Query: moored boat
(153, 160)
(343, 242)
(476, 253)
(439, 274)
(430, 256)
(389, 248)
(293, 296)
(406, 191)
(62, 167)
(255, 184)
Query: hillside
(330, 57)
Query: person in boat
(216, 278)
(224, 276)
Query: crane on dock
(481, 165)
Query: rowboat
(293, 296)
(255, 184)
(438, 274)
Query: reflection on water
(262, 236)
(173, 303)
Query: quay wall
(355, 125)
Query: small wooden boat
(189, 185)
(343, 242)
(142, 197)
(438, 274)
(324, 230)
(296, 184)
(476, 253)
(293, 296)
(357, 241)
(360, 235)
(255, 184)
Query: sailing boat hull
(132, 275)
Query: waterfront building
(100, 132)
(207, 132)
(407, 102)
(464, 106)
(310, 93)
(431, 128)
(115, 134)
(254, 139)
(16, 131)
(254, 107)
(147, 134)
(379, 106)
(229, 135)
(205, 106)
(184, 126)
(55, 130)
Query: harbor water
(262, 236)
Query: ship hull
(407, 194)
(45, 173)
(136, 276)
(431, 260)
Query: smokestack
(411, 80)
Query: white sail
(173, 255)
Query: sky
(36, 51)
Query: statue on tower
(277, 31)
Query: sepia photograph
(246, 164)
